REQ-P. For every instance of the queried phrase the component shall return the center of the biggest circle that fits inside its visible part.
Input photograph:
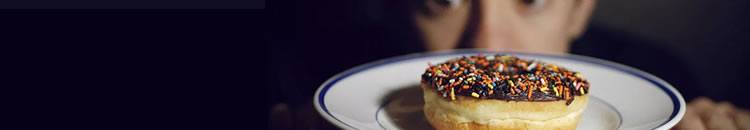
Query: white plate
(384, 94)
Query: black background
(132, 4)
(138, 68)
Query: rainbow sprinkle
(504, 77)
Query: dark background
(163, 68)
(711, 37)
(132, 4)
(700, 47)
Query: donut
(502, 92)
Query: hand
(704, 114)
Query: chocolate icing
(504, 77)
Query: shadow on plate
(404, 107)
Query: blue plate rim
(675, 96)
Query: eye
(451, 3)
(436, 7)
(533, 5)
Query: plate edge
(676, 116)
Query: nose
(496, 26)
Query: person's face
(541, 26)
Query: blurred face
(539, 26)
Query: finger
(702, 106)
(691, 121)
(742, 119)
(721, 118)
